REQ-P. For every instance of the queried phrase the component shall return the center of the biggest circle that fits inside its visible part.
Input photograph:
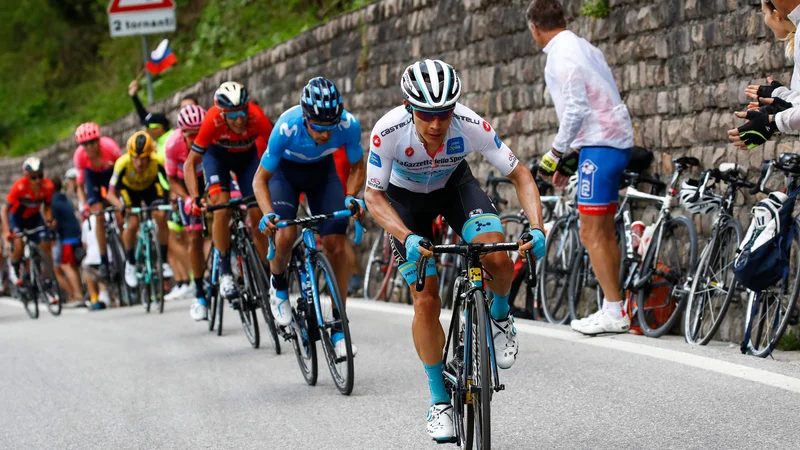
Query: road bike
(471, 374)
(37, 275)
(319, 312)
(148, 257)
(120, 291)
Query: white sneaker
(281, 308)
(198, 312)
(104, 298)
(13, 278)
(187, 291)
(130, 275)
(341, 349)
(440, 422)
(174, 294)
(600, 322)
(166, 270)
(227, 287)
(505, 342)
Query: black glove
(765, 90)
(758, 130)
(569, 164)
(778, 105)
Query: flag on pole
(161, 58)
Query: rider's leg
(259, 238)
(74, 278)
(501, 268)
(100, 232)
(129, 239)
(197, 260)
(429, 338)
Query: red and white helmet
(191, 117)
(87, 132)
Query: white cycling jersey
(398, 157)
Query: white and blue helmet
(431, 85)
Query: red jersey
(109, 152)
(214, 131)
(23, 201)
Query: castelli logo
(486, 126)
(376, 141)
(409, 152)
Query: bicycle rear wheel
(772, 312)
(248, 300)
(713, 285)
(479, 424)
(585, 294)
(562, 247)
(671, 260)
(378, 263)
(262, 296)
(334, 324)
(29, 298)
(48, 290)
(304, 328)
(117, 269)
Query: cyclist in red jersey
(23, 210)
(226, 143)
(94, 160)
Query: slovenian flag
(161, 58)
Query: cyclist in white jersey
(416, 171)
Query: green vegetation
(595, 8)
(59, 67)
(790, 341)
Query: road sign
(134, 17)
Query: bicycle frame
(143, 247)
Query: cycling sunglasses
(233, 115)
(190, 134)
(428, 116)
(322, 128)
(36, 176)
(90, 142)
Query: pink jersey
(177, 152)
(109, 152)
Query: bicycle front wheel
(379, 261)
(562, 248)
(48, 290)
(774, 309)
(117, 269)
(248, 300)
(713, 285)
(670, 261)
(479, 423)
(335, 329)
(304, 327)
(262, 296)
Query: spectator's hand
(133, 88)
(755, 91)
(53, 224)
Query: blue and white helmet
(32, 165)
(321, 101)
(431, 85)
(231, 95)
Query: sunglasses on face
(429, 116)
(191, 134)
(36, 176)
(90, 142)
(233, 115)
(322, 128)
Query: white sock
(613, 309)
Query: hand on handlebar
(267, 223)
(414, 250)
(348, 203)
(532, 241)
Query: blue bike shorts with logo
(599, 173)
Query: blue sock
(225, 263)
(104, 260)
(202, 301)
(436, 384)
(336, 337)
(500, 308)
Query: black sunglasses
(34, 177)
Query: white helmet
(32, 165)
(707, 204)
(231, 95)
(571, 189)
(71, 174)
(431, 85)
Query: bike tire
(262, 296)
(455, 364)
(47, 285)
(479, 423)
(342, 371)
(649, 322)
(585, 294)
(117, 269)
(378, 263)
(763, 338)
(303, 337)
(156, 277)
(248, 299)
(212, 307)
(561, 248)
(714, 270)
(29, 299)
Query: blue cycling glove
(412, 247)
(360, 202)
(538, 243)
(268, 217)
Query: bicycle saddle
(641, 158)
(686, 161)
(789, 162)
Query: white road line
(764, 377)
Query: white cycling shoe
(198, 312)
(506, 346)
(227, 287)
(130, 275)
(440, 422)
(600, 323)
(166, 270)
(341, 349)
(281, 308)
(174, 294)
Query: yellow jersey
(125, 175)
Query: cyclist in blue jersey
(299, 158)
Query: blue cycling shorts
(17, 223)
(96, 184)
(218, 163)
(322, 187)
(599, 173)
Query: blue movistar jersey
(290, 140)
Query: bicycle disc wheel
(156, 278)
(334, 322)
(262, 296)
(378, 263)
(671, 260)
(304, 329)
(479, 414)
(774, 309)
(248, 300)
(561, 248)
(713, 286)
(48, 290)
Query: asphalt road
(123, 379)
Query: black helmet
(321, 101)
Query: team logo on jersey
(376, 140)
(588, 169)
(374, 183)
(288, 132)
(486, 126)
(410, 152)
(346, 124)
(455, 145)
(475, 212)
(374, 159)
(497, 141)
(213, 179)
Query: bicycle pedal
(500, 387)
